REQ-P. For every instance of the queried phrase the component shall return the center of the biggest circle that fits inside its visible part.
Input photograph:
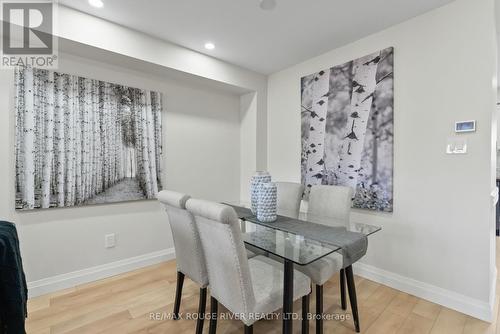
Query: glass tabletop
(243, 211)
(304, 238)
(286, 245)
(366, 229)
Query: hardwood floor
(127, 303)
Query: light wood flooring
(123, 304)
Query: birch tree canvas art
(81, 141)
(347, 129)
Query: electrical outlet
(109, 240)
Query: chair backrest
(188, 251)
(225, 256)
(330, 201)
(289, 197)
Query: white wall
(248, 140)
(201, 130)
(93, 31)
(438, 242)
(64, 247)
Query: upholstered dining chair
(332, 202)
(188, 251)
(289, 197)
(247, 287)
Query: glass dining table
(289, 239)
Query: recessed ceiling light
(209, 46)
(96, 3)
(267, 4)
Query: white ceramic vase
(258, 178)
(266, 209)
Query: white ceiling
(263, 41)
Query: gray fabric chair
(330, 201)
(289, 197)
(247, 287)
(188, 251)
(334, 202)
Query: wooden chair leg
(319, 309)
(201, 310)
(305, 314)
(248, 329)
(213, 315)
(352, 296)
(343, 303)
(178, 294)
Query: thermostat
(465, 126)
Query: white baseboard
(473, 307)
(450, 299)
(493, 294)
(68, 280)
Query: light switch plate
(456, 146)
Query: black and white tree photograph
(81, 141)
(347, 129)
